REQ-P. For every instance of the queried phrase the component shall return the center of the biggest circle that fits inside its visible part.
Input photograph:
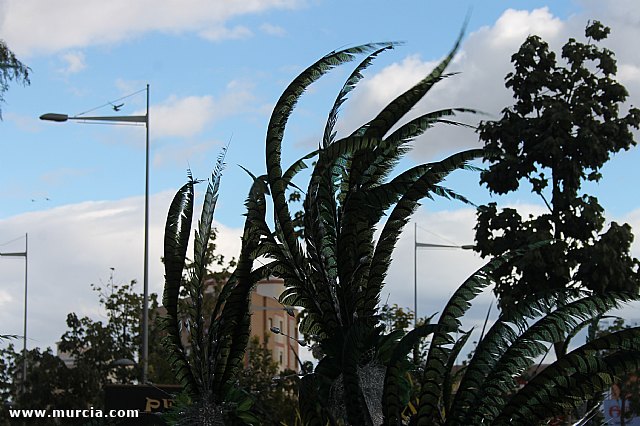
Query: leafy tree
(275, 393)
(11, 69)
(395, 317)
(49, 384)
(564, 126)
(94, 347)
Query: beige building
(266, 313)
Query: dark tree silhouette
(11, 69)
(564, 126)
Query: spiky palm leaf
(275, 132)
(396, 386)
(574, 378)
(337, 274)
(486, 391)
(533, 342)
(483, 394)
(218, 345)
(433, 394)
(176, 240)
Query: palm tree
(486, 391)
(209, 368)
(337, 273)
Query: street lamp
(24, 331)
(130, 119)
(416, 246)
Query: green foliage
(395, 317)
(486, 391)
(11, 69)
(209, 363)
(93, 347)
(564, 126)
(334, 269)
(626, 386)
(364, 376)
(337, 274)
(275, 392)
(50, 384)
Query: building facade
(267, 314)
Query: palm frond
(435, 370)
(399, 217)
(396, 386)
(176, 240)
(520, 354)
(275, 133)
(230, 336)
(199, 271)
(575, 376)
(397, 108)
(348, 86)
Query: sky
(215, 70)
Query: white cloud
(5, 298)
(32, 25)
(483, 61)
(183, 153)
(395, 79)
(73, 246)
(74, 62)
(181, 116)
(513, 27)
(629, 74)
(273, 30)
(189, 115)
(220, 33)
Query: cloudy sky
(215, 70)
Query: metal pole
(24, 337)
(145, 310)
(24, 331)
(415, 275)
(130, 119)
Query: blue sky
(215, 71)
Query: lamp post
(24, 331)
(145, 310)
(416, 246)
